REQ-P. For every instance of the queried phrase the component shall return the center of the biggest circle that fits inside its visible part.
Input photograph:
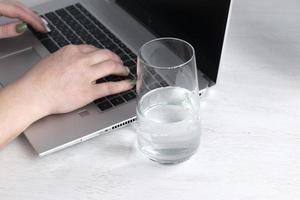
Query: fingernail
(132, 82)
(45, 23)
(20, 28)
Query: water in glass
(168, 130)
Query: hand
(14, 9)
(61, 83)
(66, 79)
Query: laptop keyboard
(76, 25)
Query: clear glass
(168, 122)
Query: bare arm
(17, 112)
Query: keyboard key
(158, 78)
(68, 33)
(110, 35)
(101, 80)
(39, 35)
(95, 31)
(63, 28)
(127, 50)
(83, 20)
(110, 97)
(98, 45)
(119, 52)
(104, 105)
(72, 23)
(129, 96)
(55, 22)
(76, 42)
(129, 77)
(125, 58)
(90, 40)
(62, 13)
(122, 45)
(152, 71)
(81, 8)
(117, 101)
(132, 69)
(116, 40)
(164, 83)
(132, 55)
(89, 15)
(106, 43)
(94, 43)
(99, 24)
(154, 85)
(81, 32)
(105, 30)
(61, 41)
(97, 101)
(52, 17)
(50, 45)
(74, 39)
(74, 11)
(90, 27)
(85, 11)
(112, 78)
(113, 37)
(111, 46)
(54, 33)
(148, 80)
(129, 63)
(100, 36)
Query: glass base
(166, 159)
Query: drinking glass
(168, 122)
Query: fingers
(109, 88)
(108, 67)
(17, 10)
(87, 48)
(31, 13)
(102, 55)
(12, 29)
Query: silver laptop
(121, 26)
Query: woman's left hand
(15, 9)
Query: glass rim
(171, 67)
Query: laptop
(122, 26)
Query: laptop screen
(200, 22)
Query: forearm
(17, 111)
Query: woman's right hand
(65, 80)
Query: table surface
(250, 143)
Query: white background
(251, 131)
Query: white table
(251, 131)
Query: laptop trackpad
(16, 64)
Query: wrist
(26, 103)
(19, 108)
